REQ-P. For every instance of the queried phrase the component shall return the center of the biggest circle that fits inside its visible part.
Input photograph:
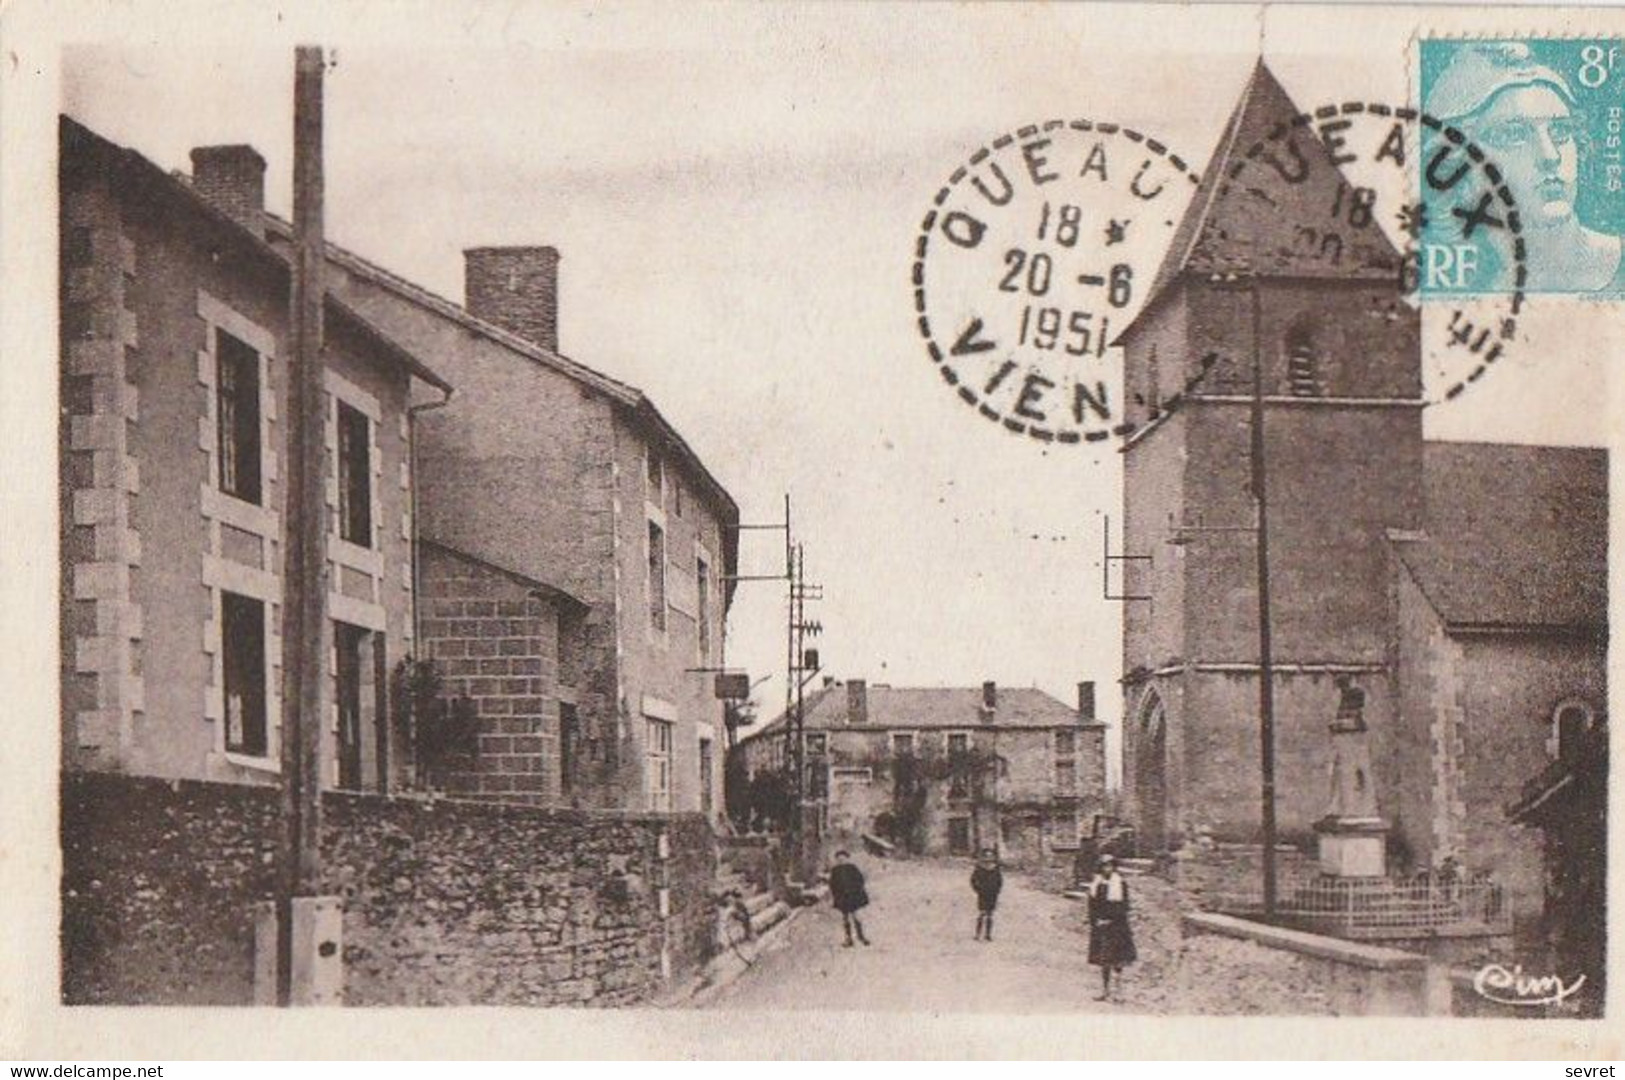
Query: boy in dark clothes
(847, 892)
(987, 879)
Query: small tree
(770, 801)
(444, 731)
(908, 802)
(736, 791)
(970, 775)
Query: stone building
(571, 554)
(174, 382)
(947, 771)
(1461, 587)
(576, 555)
(569, 578)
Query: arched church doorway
(1151, 772)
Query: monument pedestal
(1353, 847)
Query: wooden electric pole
(1266, 666)
(791, 734)
(304, 581)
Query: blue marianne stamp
(1549, 115)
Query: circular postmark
(1366, 191)
(1034, 254)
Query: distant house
(576, 554)
(173, 453)
(947, 771)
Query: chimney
(516, 288)
(1086, 703)
(857, 701)
(990, 701)
(233, 179)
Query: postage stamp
(1550, 112)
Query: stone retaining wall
(1361, 980)
(446, 902)
(1216, 869)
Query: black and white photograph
(734, 511)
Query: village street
(924, 957)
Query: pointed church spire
(1267, 200)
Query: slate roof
(1245, 220)
(1516, 537)
(625, 394)
(138, 173)
(550, 589)
(940, 708)
(135, 176)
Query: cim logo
(1513, 987)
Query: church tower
(1246, 283)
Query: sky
(735, 191)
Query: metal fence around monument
(1382, 908)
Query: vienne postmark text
(1032, 256)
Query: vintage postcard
(872, 530)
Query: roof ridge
(626, 393)
(1476, 443)
(1196, 214)
(813, 700)
(181, 185)
(1213, 177)
(458, 312)
(1214, 241)
(459, 552)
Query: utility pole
(805, 665)
(1266, 668)
(1184, 532)
(788, 578)
(795, 632)
(797, 756)
(791, 735)
(304, 584)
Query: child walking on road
(987, 879)
(847, 892)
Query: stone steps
(769, 916)
(800, 894)
(755, 903)
(763, 910)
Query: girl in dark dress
(848, 894)
(1111, 943)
